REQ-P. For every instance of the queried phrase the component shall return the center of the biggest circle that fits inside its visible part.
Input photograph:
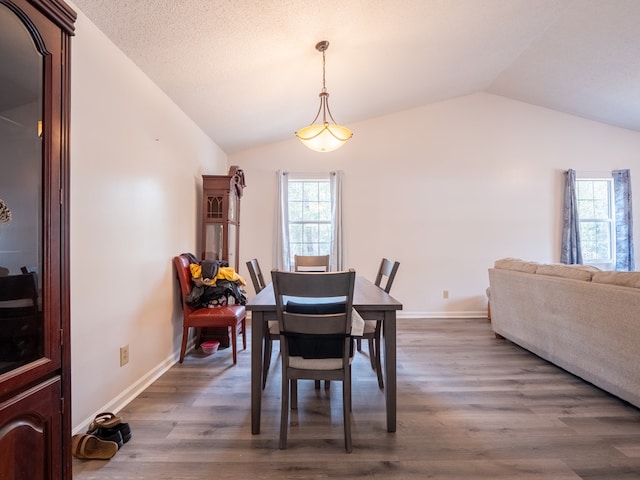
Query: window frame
(318, 247)
(609, 221)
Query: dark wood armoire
(221, 196)
(35, 388)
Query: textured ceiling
(248, 73)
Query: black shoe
(110, 435)
(120, 433)
(125, 431)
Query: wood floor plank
(470, 406)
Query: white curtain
(281, 259)
(338, 250)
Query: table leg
(389, 330)
(257, 334)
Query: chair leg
(244, 333)
(198, 337)
(284, 410)
(378, 368)
(346, 412)
(234, 343)
(294, 394)
(183, 347)
(266, 361)
(359, 344)
(379, 364)
(372, 354)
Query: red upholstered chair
(233, 317)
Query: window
(309, 217)
(597, 223)
(597, 220)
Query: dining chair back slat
(387, 270)
(311, 263)
(256, 275)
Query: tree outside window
(596, 216)
(309, 217)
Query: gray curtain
(571, 251)
(624, 220)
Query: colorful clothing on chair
(213, 282)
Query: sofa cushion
(624, 279)
(575, 272)
(516, 264)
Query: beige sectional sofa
(582, 319)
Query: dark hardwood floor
(469, 407)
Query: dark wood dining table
(370, 301)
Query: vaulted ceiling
(248, 73)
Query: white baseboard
(403, 314)
(122, 400)
(453, 314)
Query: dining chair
(18, 295)
(231, 317)
(271, 333)
(314, 318)
(21, 320)
(311, 263)
(373, 328)
(256, 275)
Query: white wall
(136, 166)
(446, 189)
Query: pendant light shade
(325, 136)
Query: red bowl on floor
(209, 347)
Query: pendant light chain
(324, 89)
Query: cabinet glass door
(21, 195)
(213, 241)
(233, 235)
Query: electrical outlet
(445, 294)
(124, 355)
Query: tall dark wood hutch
(35, 388)
(221, 196)
(221, 216)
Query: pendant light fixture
(325, 136)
